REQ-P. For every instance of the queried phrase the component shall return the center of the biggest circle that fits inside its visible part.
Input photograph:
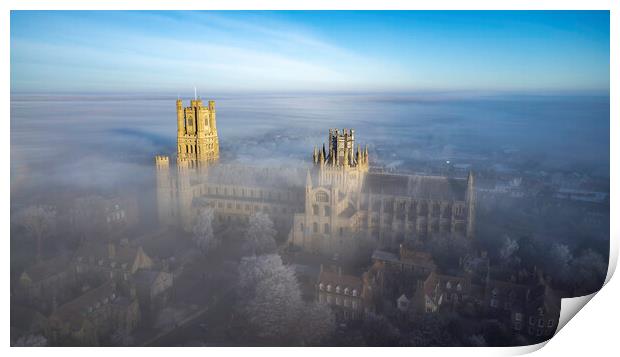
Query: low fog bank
(83, 182)
(552, 132)
(68, 146)
(103, 141)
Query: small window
(326, 228)
(518, 316)
(550, 323)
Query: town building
(342, 292)
(94, 315)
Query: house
(342, 292)
(153, 288)
(445, 291)
(538, 315)
(408, 260)
(46, 283)
(111, 260)
(92, 317)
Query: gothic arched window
(322, 197)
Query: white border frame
(596, 326)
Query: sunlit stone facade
(327, 208)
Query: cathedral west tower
(197, 140)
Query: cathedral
(326, 208)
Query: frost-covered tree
(260, 235)
(269, 298)
(588, 272)
(40, 222)
(253, 269)
(379, 331)
(559, 261)
(509, 247)
(316, 323)
(203, 230)
(31, 341)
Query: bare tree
(260, 235)
(203, 230)
(40, 222)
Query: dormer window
(448, 285)
(329, 287)
(459, 287)
(346, 291)
(354, 292)
(337, 289)
(321, 287)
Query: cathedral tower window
(322, 197)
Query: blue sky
(100, 51)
